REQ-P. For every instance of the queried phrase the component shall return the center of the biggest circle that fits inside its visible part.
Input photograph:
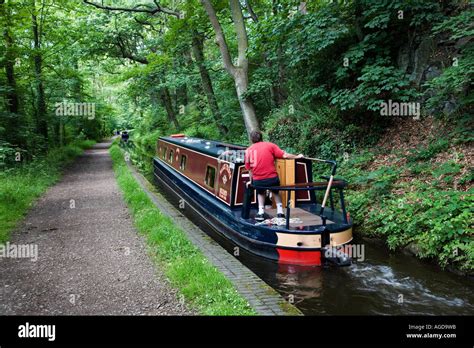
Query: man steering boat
(260, 161)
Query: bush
(315, 133)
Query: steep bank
(414, 190)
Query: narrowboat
(210, 177)
(124, 136)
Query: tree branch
(141, 8)
(251, 11)
(127, 54)
(139, 21)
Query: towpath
(90, 259)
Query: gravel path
(90, 259)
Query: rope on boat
(279, 221)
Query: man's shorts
(266, 183)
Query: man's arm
(248, 167)
(290, 156)
(279, 153)
(247, 160)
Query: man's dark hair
(255, 136)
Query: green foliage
(380, 181)
(377, 82)
(454, 84)
(458, 27)
(425, 153)
(435, 219)
(142, 148)
(8, 154)
(65, 75)
(468, 178)
(20, 186)
(419, 168)
(197, 279)
(317, 132)
(447, 168)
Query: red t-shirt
(260, 159)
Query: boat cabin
(219, 169)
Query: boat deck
(302, 217)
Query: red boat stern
(297, 257)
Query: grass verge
(21, 186)
(201, 284)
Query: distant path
(90, 258)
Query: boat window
(210, 176)
(164, 152)
(182, 164)
(170, 156)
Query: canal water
(384, 283)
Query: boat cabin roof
(209, 147)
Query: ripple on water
(383, 280)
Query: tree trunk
(182, 95)
(358, 25)
(239, 72)
(198, 53)
(274, 88)
(77, 87)
(182, 90)
(12, 96)
(41, 111)
(167, 103)
(12, 100)
(241, 77)
(246, 105)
